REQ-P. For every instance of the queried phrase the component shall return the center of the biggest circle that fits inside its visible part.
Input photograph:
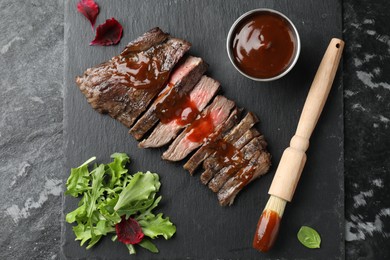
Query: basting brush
(294, 157)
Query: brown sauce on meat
(266, 231)
(177, 106)
(263, 45)
(201, 128)
(226, 153)
(139, 70)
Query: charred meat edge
(182, 146)
(201, 95)
(182, 80)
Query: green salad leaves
(112, 201)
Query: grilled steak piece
(217, 161)
(209, 147)
(257, 166)
(196, 133)
(236, 162)
(124, 86)
(246, 123)
(199, 97)
(182, 80)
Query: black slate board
(204, 229)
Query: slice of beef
(209, 147)
(257, 166)
(246, 123)
(145, 41)
(213, 164)
(124, 86)
(182, 80)
(199, 130)
(238, 161)
(200, 96)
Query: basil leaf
(309, 237)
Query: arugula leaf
(309, 237)
(97, 190)
(117, 168)
(78, 213)
(147, 244)
(78, 180)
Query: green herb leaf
(309, 237)
(78, 180)
(147, 244)
(142, 186)
(154, 226)
(117, 168)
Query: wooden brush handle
(294, 157)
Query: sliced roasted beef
(257, 166)
(241, 131)
(182, 80)
(237, 161)
(210, 146)
(199, 97)
(200, 129)
(124, 86)
(246, 123)
(216, 161)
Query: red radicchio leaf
(108, 33)
(89, 9)
(129, 231)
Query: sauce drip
(263, 45)
(139, 70)
(201, 128)
(266, 231)
(177, 106)
(226, 153)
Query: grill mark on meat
(217, 113)
(124, 86)
(246, 123)
(182, 80)
(257, 166)
(209, 147)
(238, 160)
(201, 95)
(213, 164)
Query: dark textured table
(31, 152)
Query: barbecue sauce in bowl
(264, 45)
